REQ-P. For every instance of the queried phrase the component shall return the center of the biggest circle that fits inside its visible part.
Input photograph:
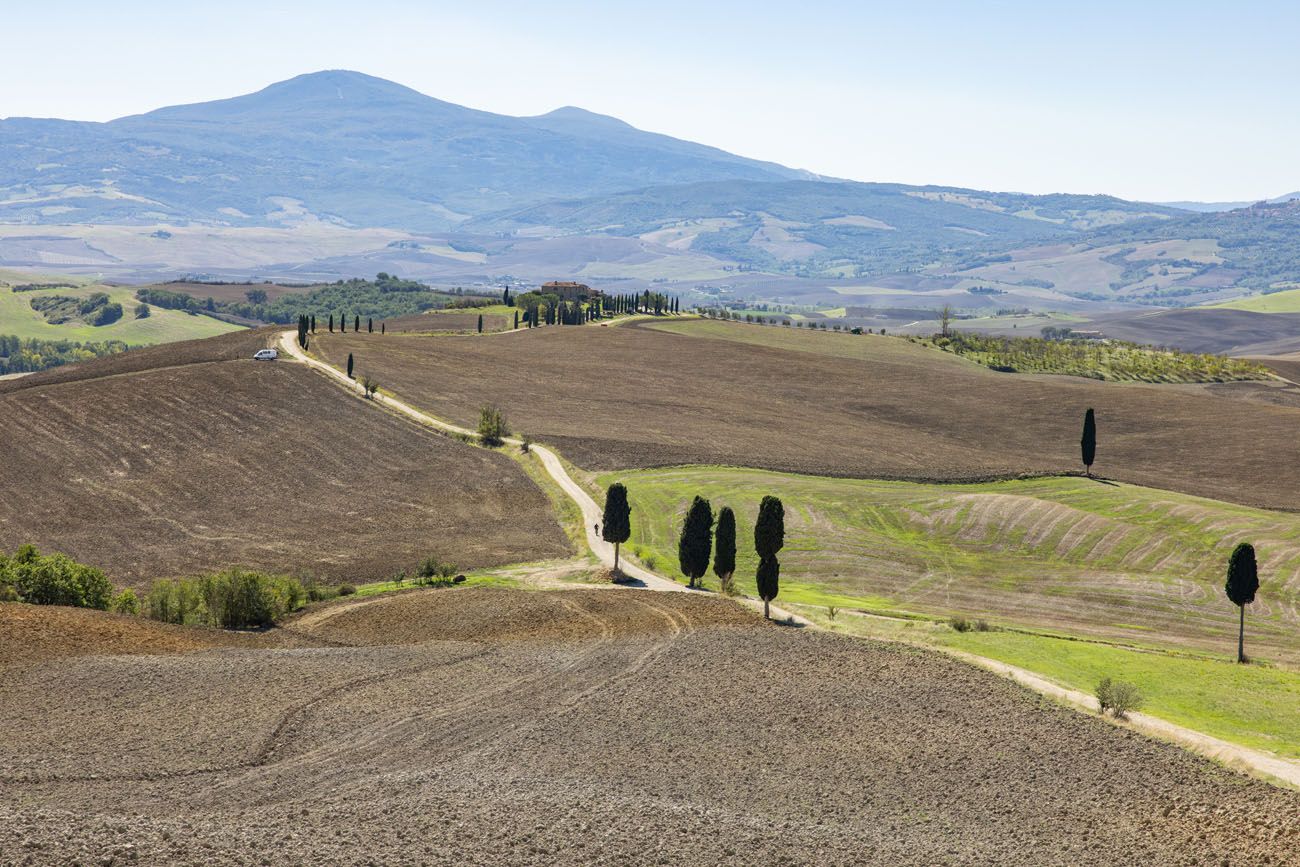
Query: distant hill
(336, 146)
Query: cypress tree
(1088, 443)
(331, 323)
(382, 329)
(480, 323)
(370, 325)
(313, 323)
(356, 324)
(696, 540)
(516, 320)
(769, 538)
(724, 547)
(1243, 581)
(616, 523)
(349, 365)
(343, 324)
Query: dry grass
(830, 404)
(198, 466)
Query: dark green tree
(349, 365)
(1089, 442)
(356, 324)
(313, 323)
(696, 541)
(516, 320)
(616, 523)
(331, 323)
(480, 323)
(724, 547)
(769, 538)
(1243, 581)
(382, 328)
(370, 325)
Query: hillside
(193, 457)
(832, 404)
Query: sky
(1145, 99)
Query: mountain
(1208, 207)
(336, 146)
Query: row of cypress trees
(356, 324)
(698, 540)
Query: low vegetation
(232, 599)
(1118, 697)
(1111, 360)
(492, 426)
(93, 309)
(52, 579)
(33, 354)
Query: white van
(266, 355)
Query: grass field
(1113, 561)
(161, 326)
(1286, 301)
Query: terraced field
(193, 457)
(700, 392)
(475, 726)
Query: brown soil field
(1222, 331)
(591, 727)
(192, 467)
(426, 322)
(235, 346)
(830, 404)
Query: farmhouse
(569, 291)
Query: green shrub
(492, 427)
(233, 599)
(960, 624)
(126, 602)
(347, 589)
(435, 572)
(1118, 697)
(54, 579)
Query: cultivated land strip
(1238, 756)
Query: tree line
(28, 355)
(698, 541)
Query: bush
(1118, 697)
(961, 624)
(434, 572)
(347, 589)
(492, 427)
(54, 579)
(125, 603)
(233, 599)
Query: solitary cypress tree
(349, 365)
(480, 323)
(370, 325)
(331, 323)
(696, 541)
(1243, 581)
(616, 524)
(1089, 441)
(343, 324)
(381, 328)
(769, 538)
(516, 320)
(724, 547)
(356, 324)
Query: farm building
(569, 291)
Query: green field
(1117, 562)
(161, 326)
(1287, 301)
(1256, 706)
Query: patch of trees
(94, 309)
(1112, 360)
(36, 287)
(55, 579)
(233, 599)
(492, 426)
(29, 355)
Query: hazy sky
(1144, 99)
